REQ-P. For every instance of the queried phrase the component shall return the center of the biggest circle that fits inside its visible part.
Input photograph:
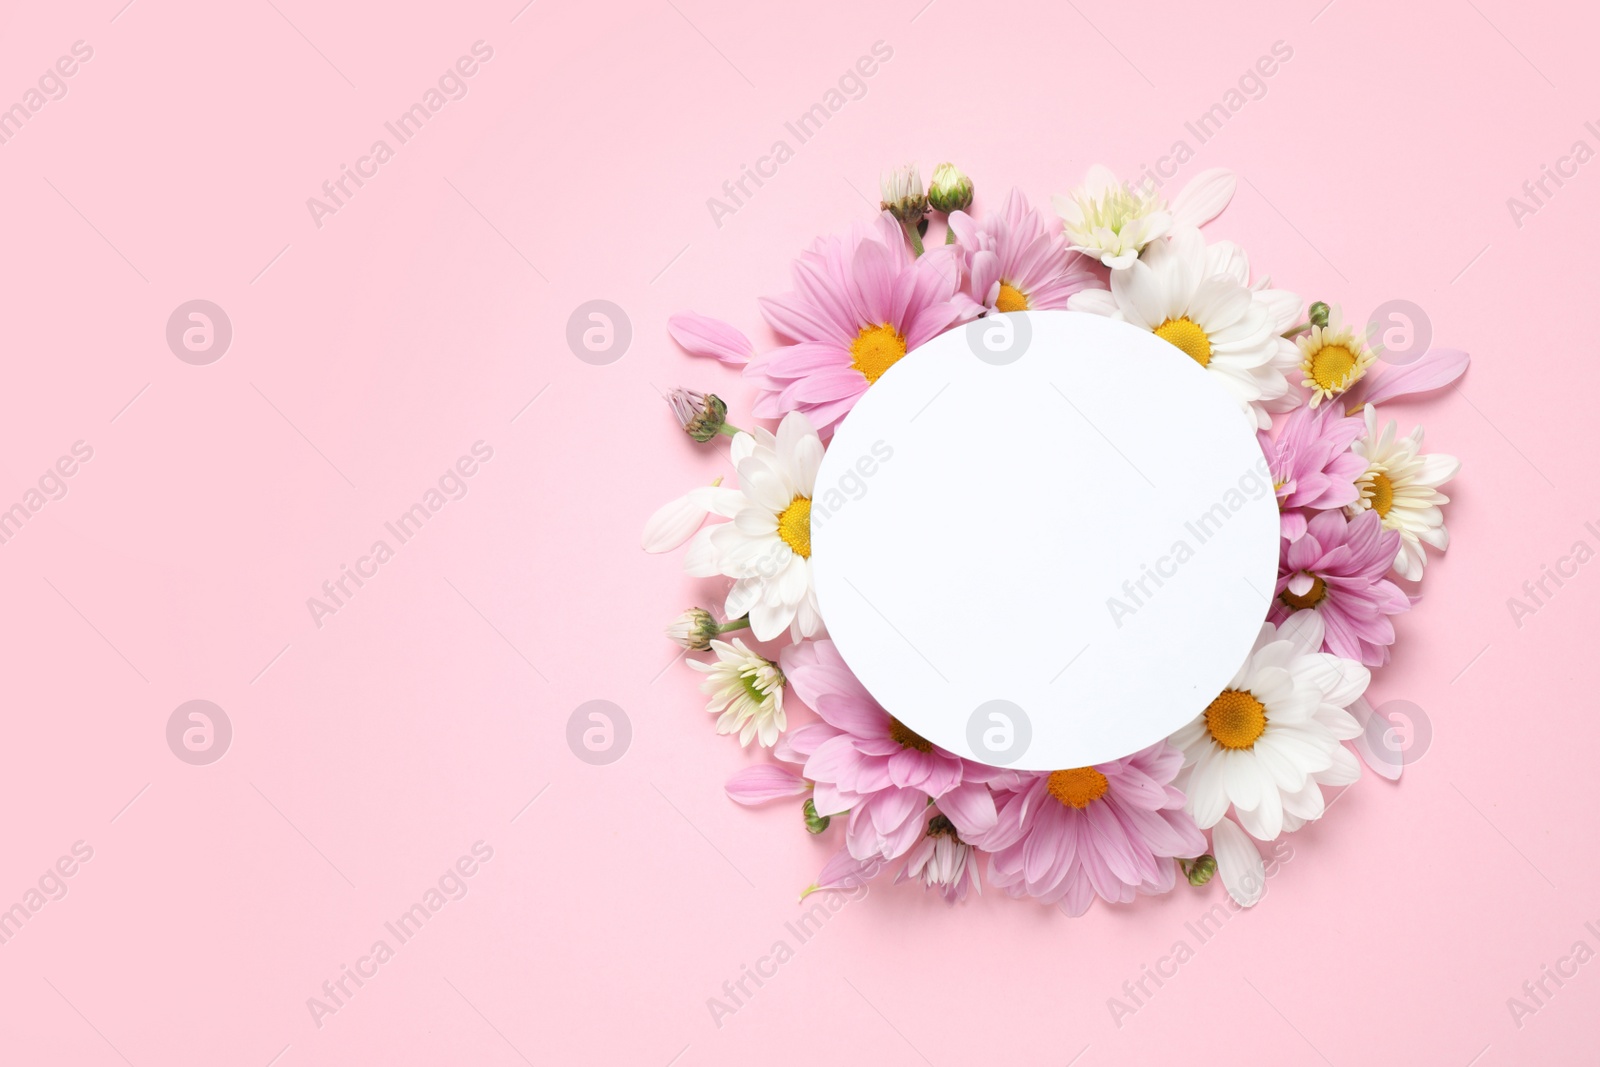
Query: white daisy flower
(1401, 485)
(1108, 221)
(766, 549)
(1269, 741)
(1332, 358)
(746, 693)
(1200, 300)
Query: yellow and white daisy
(1332, 358)
(1401, 485)
(1199, 299)
(766, 548)
(746, 693)
(1269, 741)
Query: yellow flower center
(1331, 367)
(1309, 599)
(1188, 337)
(1382, 494)
(875, 350)
(1078, 787)
(1236, 719)
(906, 737)
(794, 526)
(1011, 298)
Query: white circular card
(1044, 540)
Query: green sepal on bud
(702, 415)
(1319, 314)
(815, 823)
(1199, 870)
(950, 190)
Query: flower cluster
(1357, 503)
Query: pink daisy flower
(860, 304)
(1014, 261)
(1112, 830)
(942, 861)
(1312, 465)
(866, 762)
(1337, 569)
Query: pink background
(372, 352)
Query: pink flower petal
(701, 335)
(763, 782)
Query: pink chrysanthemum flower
(1111, 831)
(1312, 465)
(1015, 261)
(860, 304)
(866, 762)
(1337, 569)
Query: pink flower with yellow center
(860, 304)
(1015, 261)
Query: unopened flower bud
(694, 629)
(950, 190)
(814, 823)
(1319, 314)
(702, 415)
(903, 195)
(1199, 870)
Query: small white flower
(1108, 221)
(1401, 485)
(746, 692)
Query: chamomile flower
(746, 692)
(1401, 485)
(1332, 359)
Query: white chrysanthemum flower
(766, 549)
(746, 693)
(1332, 358)
(1401, 485)
(1106, 220)
(1199, 299)
(1269, 741)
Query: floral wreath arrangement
(1358, 504)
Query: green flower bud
(1319, 314)
(702, 415)
(1198, 870)
(814, 823)
(950, 190)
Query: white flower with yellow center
(1401, 485)
(1107, 220)
(746, 693)
(766, 548)
(1269, 741)
(1332, 358)
(1199, 299)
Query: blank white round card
(1044, 540)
